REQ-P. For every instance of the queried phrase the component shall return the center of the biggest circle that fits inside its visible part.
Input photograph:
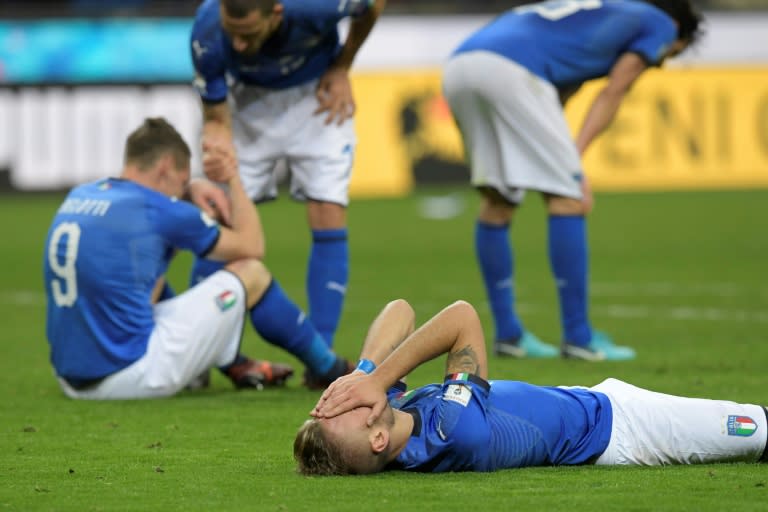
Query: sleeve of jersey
(186, 226)
(460, 420)
(654, 38)
(397, 389)
(210, 70)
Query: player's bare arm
(454, 329)
(217, 134)
(334, 90)
(463, 361)
(600, 115)
(245, 237)
(390, 328)
(217, 121)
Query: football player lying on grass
(366, 422)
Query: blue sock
(280, 322)
(568, 257)
(203, 268)
(494, 254)
(327, 278)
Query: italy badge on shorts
(226, 300)
(742, 426)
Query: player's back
(103, 257)
(569, 42)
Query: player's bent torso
(568, 43)
(304, 46)
(479, 426)
(109, 243)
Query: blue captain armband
(366, 366)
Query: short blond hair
(316, 454)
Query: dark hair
(155, 138)
(241, 8)
(687, 18)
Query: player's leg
(280, 322)
(652, 428)
(328, 266)
(535, 151)
(194, 331)
(320, 158)
(569, 260)
(474, 106)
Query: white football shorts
(652, 429)
(194, 331)
(272, 126)
(512, 124)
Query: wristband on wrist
(366, 365)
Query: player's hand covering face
(352, 392)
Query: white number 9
(64, 289)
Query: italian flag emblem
(226, 300)
(742, 426)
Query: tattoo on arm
(463, 361)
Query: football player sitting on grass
(115, 329)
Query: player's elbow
(464, 309)
(405, 311)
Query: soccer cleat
(600, 348)
(256, 374)
(528, 346)
(340, 368)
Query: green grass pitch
(679, 276)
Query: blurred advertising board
(73, 89)
(678, 129)
(95, 51)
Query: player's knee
(253, 274)
(325, 215)
(557, 205)
(494, 208)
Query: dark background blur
(151, 8)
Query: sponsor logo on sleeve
(458, 393)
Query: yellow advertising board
(677, 129)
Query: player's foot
(527, 346)
(600, 348)
(256, 374)
(340, 368)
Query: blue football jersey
(302, 48)
(107, 246)
(568, 42)
(468, 424)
